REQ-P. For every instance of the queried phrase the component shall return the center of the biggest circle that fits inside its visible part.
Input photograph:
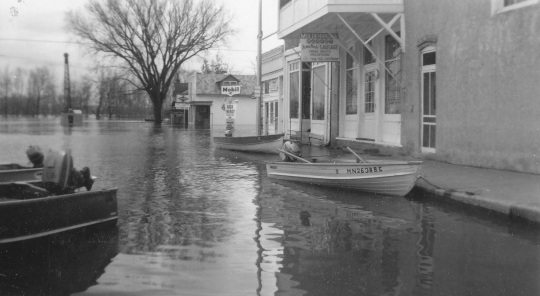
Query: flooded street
(195, 221)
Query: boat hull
(395, 178)
(16, 173)
(259, 144)
(25, 219)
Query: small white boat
(382, 177)
(260, 144)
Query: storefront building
(272, 91)
(444, 80)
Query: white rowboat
(261, 144)
(383, 177)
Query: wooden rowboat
(24, 214)
(12, 172)
(382, 177)
(259, 144)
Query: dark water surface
(195, 221)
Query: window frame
(497, 6)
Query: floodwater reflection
(198, 221)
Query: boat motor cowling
(56, 170)
(292, 148)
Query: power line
(73, 42)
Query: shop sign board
(319, 47)
(230, 111)
(230, 115)
(230, 90)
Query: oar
(357, 156)
(292, 155)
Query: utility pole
(259, 69)
(67, 87)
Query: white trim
(386, 144)
(497, 6)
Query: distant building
(455, 81)
(206, 102)
(272, 91)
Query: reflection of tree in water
(179, 211)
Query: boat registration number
(364, 170)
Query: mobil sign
(230, 90)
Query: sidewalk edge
(521, 211)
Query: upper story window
(498, 6)
(229, 83)
(283, 3)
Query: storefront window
(392, 103)
(319, 91)
(294, 88)
(352, 86)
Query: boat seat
(21, 190)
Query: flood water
(196, 221)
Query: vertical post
(67, 87)
(259, 70)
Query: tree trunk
(158, 104)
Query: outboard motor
(292, 148)
(35, 155)
(59, 176)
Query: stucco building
(455, 81)
(272, 91)
(205, 102)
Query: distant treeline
(35, 92)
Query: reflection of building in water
(425, 244)
(331, 248)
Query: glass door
(319, 87)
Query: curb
(513, 211)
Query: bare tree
(6, 84)
(151, 38)
(215, 66)
(38, 86)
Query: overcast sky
(32, 33)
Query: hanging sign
(230, 115)
(319, 47)
(230, 90)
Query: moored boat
(53, 205)
(23, 218)
(382, 177)
(259, 144)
